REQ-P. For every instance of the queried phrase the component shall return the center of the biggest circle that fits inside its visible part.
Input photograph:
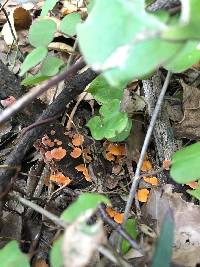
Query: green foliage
(34, 79)
(163, 253)
(185, 58)
(56, 257)
(112, 124)
(69, 23)
(188, 26)
(41, 32)
(103, 92)
(51, 66)
(34, 58)
(195, 193)
(130, 228)
(132, 52)
(11, 256)
(48, 6)
(185, 164)
(85, 202)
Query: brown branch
(73, 87)
(40, 89)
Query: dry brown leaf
(84, 170)
(77, 140)
(186, 217)
(189, 127)
(142, 195)
(22, 18)
(76, 153)
(60, 178)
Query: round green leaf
(34, 58)
(185, 164)
(69, 23)
(34, 79)
(96, 128)
(51, 66)
(11, 256)
(41, 32)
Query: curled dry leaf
(151, 180)
(142, 195)
(60, 178)
(68, 8)
(76, 153)
(84, 170)
(40, 263)
(77, 140)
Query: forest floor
(51, 163)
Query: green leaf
(48, 6)
(130, 228)
(103, 92)
(185, 164)
(131, 44)
(34, 58)
(112, 124)
(163, 253)
(90, 5)
(56, 257)
(11, 256)
(188, 56)
(188, 27)
(34, 79)
(41, 32)
(51, 66)
(195, 193)
(69, 23)
(85, 202)
(95, 125)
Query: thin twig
(38, 90)
(40, 210)
(117, 227)
(136, 178)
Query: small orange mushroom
(77, 140)
(60, 178)
(84, 170)
(58, 153)
(142, 195)
(76, 153)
